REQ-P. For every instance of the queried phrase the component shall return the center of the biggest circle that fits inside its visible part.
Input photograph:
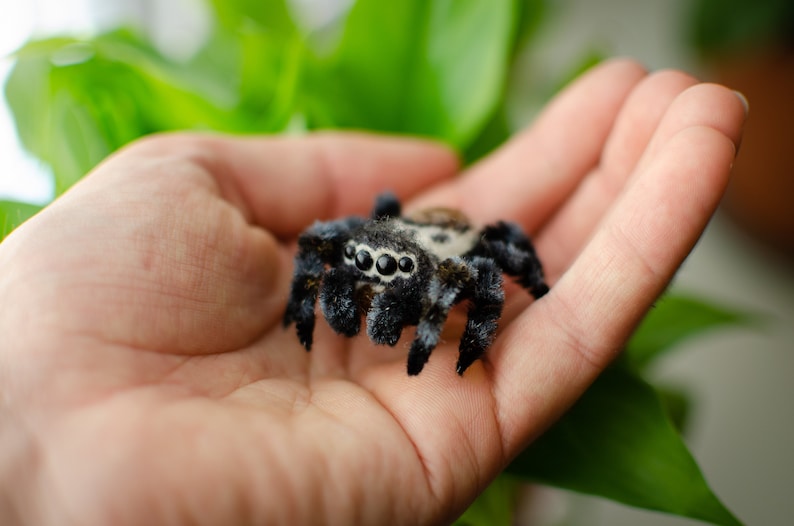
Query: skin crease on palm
(145, 375)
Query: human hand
(145, 375)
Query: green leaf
(75, 102)
(272, 16)
(530, 15)
(677, 405)
(270, 81)
(491, 136)
(13, 214)
(263, 43)
(617, 442)
(735, 26)
(51, 120)
(495, 506)
(674, 319)
(434, 68)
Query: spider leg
(338, 301)
(512, 250)
(452, 278)
(309, 269)
(390, 311)
(319, 245)
(386, 205)
(487, 300)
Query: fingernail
(744, 101)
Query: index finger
(283, 183)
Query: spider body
(403, 271)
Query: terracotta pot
(761, 194)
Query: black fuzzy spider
(409, 271)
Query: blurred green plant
(433, 68)
(725, 27)
(13, 214)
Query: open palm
(145, 374)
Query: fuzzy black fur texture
(398, 271)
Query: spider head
(380, 264)
(383, 253)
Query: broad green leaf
(270, 79)
(495, 506)
(263, 43)
(74, 101)
(677, 405)
(51, 120)
(617, 442)
(434, 68)
(13, 214)
(674, 319)
(273, 16)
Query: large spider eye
(386, 265)
(363, 260)
(350, 251)
(406, 264)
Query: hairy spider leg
(487, 300)
(338, 300)
(386, 205)
(512, 250)
(452, 278)
(392, 310)
(320, 245)
(309, 268)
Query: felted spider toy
(401, 271)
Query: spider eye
(363, 260)
(406, 264)
(386, 265)
(350, 251)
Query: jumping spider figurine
(402, 271)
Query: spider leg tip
(461, 367)
(415, 367)
(540, 291)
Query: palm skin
(145, 374)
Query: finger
(533, 173)
(661, 108)
(704, 104)
(285, 183)
(580, 326)
(565, 233)
(637, 122)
